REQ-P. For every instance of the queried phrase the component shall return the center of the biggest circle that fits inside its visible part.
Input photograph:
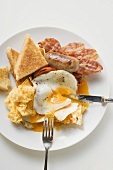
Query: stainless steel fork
(47, 137)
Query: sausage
(62, 62)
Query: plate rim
(36, 27)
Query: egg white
(64, 112)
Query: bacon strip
(79, 51)
(88, 67)
(85, 53)
(72, 48)
(50, 45)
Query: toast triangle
(4, 80)
(29, 60)
(12, 56)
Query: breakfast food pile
(45, 74)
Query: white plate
(69, 135)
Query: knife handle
(109, 100)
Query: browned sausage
(62, 62)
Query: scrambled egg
(20, 102)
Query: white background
(92, 20)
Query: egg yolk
(63, 90)
(36, 117)
(83, 87)
(38, 127)
(57, 97)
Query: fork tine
(52, 124)
(49, 130)
(45, 126)
(50, 127)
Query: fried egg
(50, 89)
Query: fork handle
(46, 158)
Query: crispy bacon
(72, 48)
(85, 53)
(78, 51)
(50, 45)
(88, 67)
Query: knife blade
(91, 98)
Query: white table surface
(92, 20)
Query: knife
(90, 98)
